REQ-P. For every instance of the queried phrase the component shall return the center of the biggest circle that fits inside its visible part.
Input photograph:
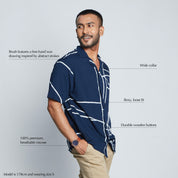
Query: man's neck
(92, 52)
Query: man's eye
(90, 25)
(79, 26)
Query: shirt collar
(83, 54)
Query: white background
(136, 32)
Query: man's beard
(94, 42)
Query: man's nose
(85, 30)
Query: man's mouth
(86, 37)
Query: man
(80, 82)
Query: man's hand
(81, 148)
(61, 121)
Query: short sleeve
(59, 84)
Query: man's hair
(90, 11)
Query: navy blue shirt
(84, 92)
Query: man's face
(89, 30)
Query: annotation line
(42, 145)
(137, 68)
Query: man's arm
(60, 119)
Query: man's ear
(101, 30)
